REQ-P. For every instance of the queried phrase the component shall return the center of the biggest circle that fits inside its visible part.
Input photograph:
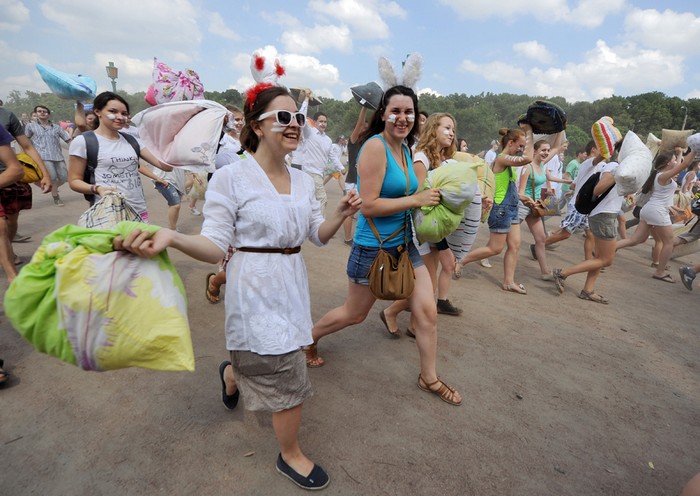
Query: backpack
(585, 200)
(92, 147)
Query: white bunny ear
(412, 70)
(387, 73)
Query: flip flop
(665, 278)
(394, 334)
(230, 400)
(211, 297)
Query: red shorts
(14, 198)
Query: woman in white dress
(265, 210)
(655, 217)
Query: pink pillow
(150, 97)
(174, 86)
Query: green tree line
(478, 116)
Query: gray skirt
(271, 383)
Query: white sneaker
(194, 211)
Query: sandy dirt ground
(561, 396)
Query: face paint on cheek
(278, 128)
(445, 132)
(411, 118)
(111, 116)
(391, 118)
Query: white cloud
(25, 82)
(158, 26)
(134, 74)
(301, 71)
(428, 91)
(693, 94)
(589, 13)
(533, 50)
(14, 15)
(363, 16)
(12, 56)
(621, 70)
(672, 32)
(218, 27)
(592, 13)
(318, 39)
(497, 72)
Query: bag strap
(405, 225)
(133, 142)
(532, 177)
(92, 148)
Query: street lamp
(685, 117)
(113, 74)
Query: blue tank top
(540, 180)
(394, 186)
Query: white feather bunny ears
(265, 74)
(411, 73)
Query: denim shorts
(604, 225)
(171, 194)
(502, 217)
(362, 257)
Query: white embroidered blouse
(267, 300)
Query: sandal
(444, 392)
(593, 296)
(515, 288)
(558, 280)
(211, 295)
(395, 334)
(665, 278)
(410, 333)
(313, 361)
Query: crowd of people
(268, 195)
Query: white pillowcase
(635, 165)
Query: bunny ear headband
(411, 73)
(265, 75)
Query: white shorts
(655, 216)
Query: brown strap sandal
(313, 361)
(444, 392)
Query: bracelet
(93, 189)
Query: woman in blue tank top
(537, 175)
(385, 172)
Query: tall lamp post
(685, 117)
(113, 74)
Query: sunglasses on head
(284, 117)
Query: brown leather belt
(283, 251)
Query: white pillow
(653, 144)
(183, 134)
(635, 165)
(694, 142)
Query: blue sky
(581, 50)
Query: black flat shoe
(317, 479)
(230, 401)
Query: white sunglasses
(284, 117)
